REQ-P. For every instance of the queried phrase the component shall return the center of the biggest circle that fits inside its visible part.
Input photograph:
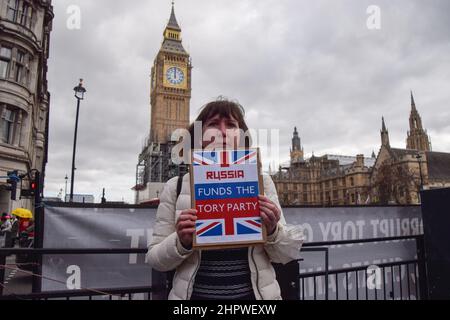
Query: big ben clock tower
(170, 95)
(170, 92)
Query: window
(352, 182)
(19, 72)
(5, 59)
(13, 10)
(8, 119)
(25, 17)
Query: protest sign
(226, 185)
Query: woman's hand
(186, 227)
(270, 213)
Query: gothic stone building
(411, 169)
(394, 176)
(170, 96)
(25, 27)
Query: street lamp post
(79, 95)
(65, 190)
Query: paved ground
(16, 281)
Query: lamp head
(79, 90)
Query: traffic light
(31, 192)
(12, 183)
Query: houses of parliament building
(394, 176)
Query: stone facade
(25, 28)
(325, 180)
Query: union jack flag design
(217, 227)
(224, 158)
(207, 228)
(248, 225)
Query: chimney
(360, 160)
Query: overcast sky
(310, 64)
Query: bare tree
(394, 184)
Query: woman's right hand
(186, 227)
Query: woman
(6, 224)
(241, 274)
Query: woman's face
(221, 133)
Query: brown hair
(227, 109)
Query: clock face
(175, 75)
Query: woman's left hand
(270, 213)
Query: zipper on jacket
(194, 274)
(257, 273)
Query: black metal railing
(412, 286)
(320, 281)
(159, 287)
(86, 293)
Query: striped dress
(223, 275)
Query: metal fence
(144, 292)
(385, 289)
(292, 282)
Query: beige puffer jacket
(166, 253)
